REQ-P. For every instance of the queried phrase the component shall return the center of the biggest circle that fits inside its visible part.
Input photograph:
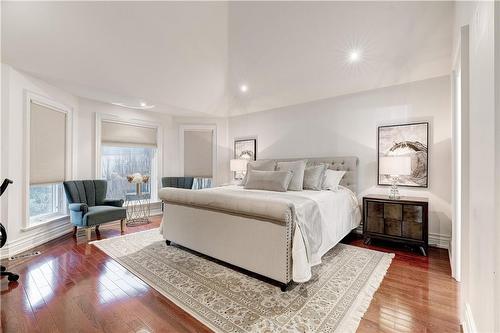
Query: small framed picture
(245, 149)
(411, 141)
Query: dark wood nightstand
(403, 220)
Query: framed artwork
(405, 140)
(245, 149)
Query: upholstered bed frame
(255, 245)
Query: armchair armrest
(79, 207)
(113, 202)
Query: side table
(138, 208)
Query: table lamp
(395, 166)
(238, 166)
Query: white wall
(13, 166)
(480, 281)
(347, 125)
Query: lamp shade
(395, 165)
(238, 165)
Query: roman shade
(120, 134)
(198, 151)
(47, 145)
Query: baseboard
(28, 242)
(469, 325)
(440, 240)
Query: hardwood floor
(74, 287)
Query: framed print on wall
(405, 140)
(245, 149)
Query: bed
(278, 235)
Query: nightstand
(403, 220)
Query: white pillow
(332, 179)
(298, 169)
(268, 180)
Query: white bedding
(322, 218)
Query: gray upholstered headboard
(347, 163)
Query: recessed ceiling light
(243, 88)
(354, 56)
(141, 106)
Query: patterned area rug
(226, 300)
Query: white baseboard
(469, 326)
(33, 240)
(440, 240)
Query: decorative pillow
(313, 177)
(298, 168)
(332, 179)
(265, 165)
(268, 180)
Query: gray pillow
(313, 177)
(265, 165)
(268, 180)
(297, 167)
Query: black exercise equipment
(3, 236)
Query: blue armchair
(89, 207)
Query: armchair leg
(89, 233)
(123, 226)
(74, 231)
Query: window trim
(100, 117)
(29, 97)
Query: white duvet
(322, 219)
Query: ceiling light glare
(354, 56)
(243, 88)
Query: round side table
(138, 208)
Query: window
(49, 165)
(127, 148)
(46, 202)
(198, 149)
(118, 162)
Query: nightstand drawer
(413, 213)
(375, 224)
(392, 227)
(375, 209)
(393, 211)
(412, 230)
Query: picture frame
(245, 149)
(409, 139)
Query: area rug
(226, 300)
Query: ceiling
(190, 58)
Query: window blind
(47, 145)
(198, 148)
(119, 134)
